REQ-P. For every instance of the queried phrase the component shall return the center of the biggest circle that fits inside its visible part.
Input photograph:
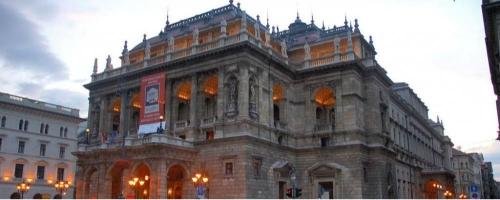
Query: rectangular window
(229, 169)
(62, 150)
(210, 135)
(18, 171)
(60, 174)
(325, 141)
(42, 149)
(257, 164)
(20, 148)
(40, 172)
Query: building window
(61, 131)
(40, 172)
(46, 128)
(41, 128)
(20, 147)
(26, 123)
(257, 165)
(210, 135)
(18, 171)
(60, 174)
(21, 122)
(280, 139)
(62, 150)
(228, 169)
(325, 141)
(1, 143)
(65, 131)
(43, 147)
(4, 120)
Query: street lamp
(448, 194)
(200, 183)
(438, 187)
(160, 129)
(137, 185)
(23, 188)
(61, 187)
(87, 135)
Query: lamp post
(139, 184)
(161, 122)
(22, 188)
(87, 135)
(61, 187)
(200, 183)
(438, 187)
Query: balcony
(208, 122)
(323, 128)
(139, 141)
(220, 43)
(282, 126)
(181, 125)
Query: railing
(215, 44)
(4, 97)
(323, 128)
(181, 124)
(140, 140)
(280, 125)
(322, 61)
(208, 121)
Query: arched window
(276, 112)
(278, 97)
(4, 120)
(183, 96)
(41, 127)
(325, 106)
(65, 131)
(26, 123)
(61, 131)
(46, 128)
(21, 122)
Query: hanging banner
(152, 99)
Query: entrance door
(325, 190)
(282, 189)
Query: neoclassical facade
(258, 110)
(36, 141)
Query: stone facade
(467, 167)
(257, 111)
(36, 141)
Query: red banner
(152, 98)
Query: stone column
(161, 179)
(310, 109)
(243, 27)
(103, 184)
(243, 92)
(220, 94)
(168, 105)
(336, 52)
(193, 102)
(124, 110)
(102, 117)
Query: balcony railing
(208, 121)
(323, 128)
(216, 44)
(182, 124)
(138, 141)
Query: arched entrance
(15, 195)
(176, 175)
(142, 173)
(116, 174)
(91, 184)
(37, 196)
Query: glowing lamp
(205, 179)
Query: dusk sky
(47, 49)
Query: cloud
(24, 47)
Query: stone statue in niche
(252, 99)
(232, 97)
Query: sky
(47, 49)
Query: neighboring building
(491, 19)
(36, 141)
(490, 189)
(468, 177)
(258, 110)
